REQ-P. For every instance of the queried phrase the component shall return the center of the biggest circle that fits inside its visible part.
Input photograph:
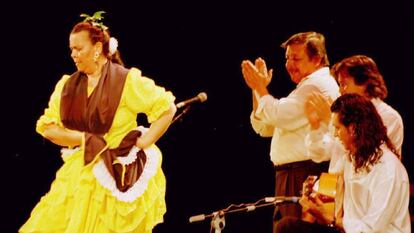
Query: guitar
(329, 189)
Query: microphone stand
(179, 116)
(217, 222)
(218, 217)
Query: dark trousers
(289, 182)
(296, 225)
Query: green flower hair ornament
(95, 19)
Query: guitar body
(328, 189)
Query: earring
(95, 57)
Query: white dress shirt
(387, 211)
(284, 119)
(377, 201)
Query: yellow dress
(84, 198)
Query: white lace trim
(66, 152)
(130, 158)
(107, 181)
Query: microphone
(201, 97)
(197, 218)
(281, 199)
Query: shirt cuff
(262, 102)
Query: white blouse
(377, 201)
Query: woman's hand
(142, 143)
(157, 128)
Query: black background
(212, 158)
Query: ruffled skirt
(85, 199)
